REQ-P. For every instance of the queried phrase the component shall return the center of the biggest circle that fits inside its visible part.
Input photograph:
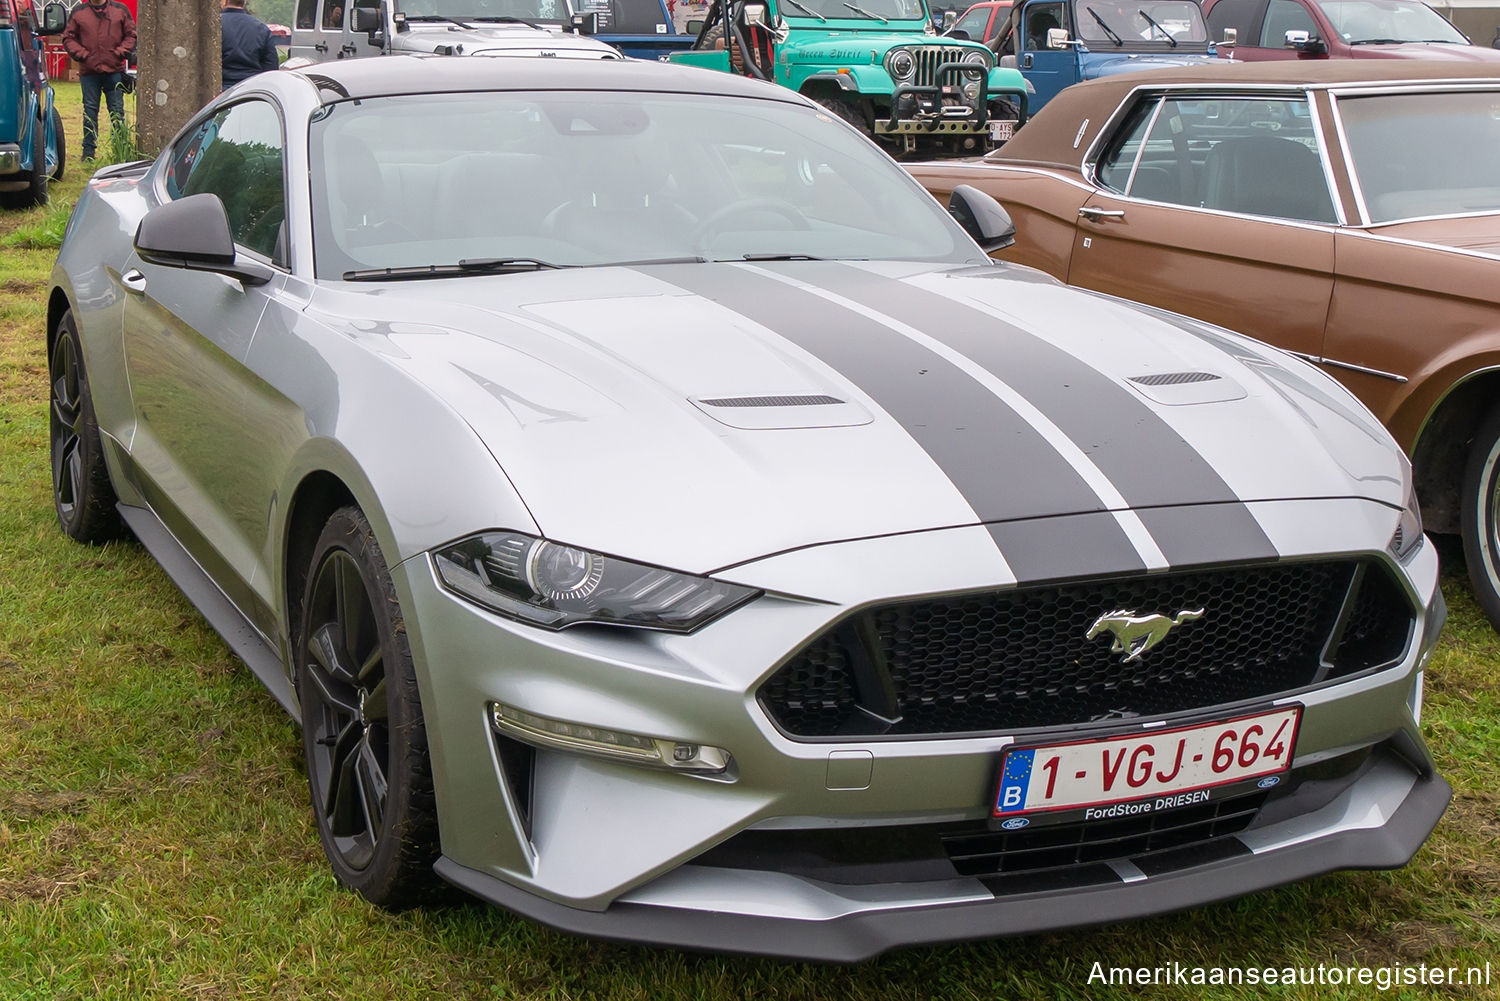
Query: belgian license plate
(1003, 130)
(1144, 772)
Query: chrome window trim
(1421, 244)
(1326, 157)
(1140, 152)
(1384, 89)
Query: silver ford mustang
(667, 523)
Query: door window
(1039, 18)
(237, 154)
(972, 23)
(1283, 16)
(1255, 156)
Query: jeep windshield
(472, 11)
(1388, 22)
(1154, 24)
(861, 10)
(454, 185)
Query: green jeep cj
(877, 64)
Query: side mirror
(694, 26)
(950, 18)
(193, 233)
(982, 217)
(1231, 36)
(54, 19)
(1303, 42)
(755, 15)
(1057, 38)
(365, 19)
(586, 24)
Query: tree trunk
(179, 50)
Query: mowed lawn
(155, 840)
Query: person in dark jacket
(248, 48)
(100, 36)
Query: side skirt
(229, 622)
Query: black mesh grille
(1173, 378)
(982, 852)
(1020, 659)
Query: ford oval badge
(1268, 782)
(1015, 823)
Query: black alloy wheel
(81, 491)
(367, 763)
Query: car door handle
(1088, 212)
(134, 281)
(321, 47)
(348, 50)
(1026, 61)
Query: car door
(186, 334)
(1218, 208)
(1048, 70)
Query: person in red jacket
(100, 36)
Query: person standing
(100, 36)
(248, 48)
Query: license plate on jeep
(1162, 769)
(1003, 130)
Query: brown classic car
(1347, 211)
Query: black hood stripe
(1002, 466)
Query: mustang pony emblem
(1135, 634)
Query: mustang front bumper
(723, 862)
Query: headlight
(549, 584)
(901, 64)
(982, 61)
(977, 57)
(1408, 536)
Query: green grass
(155, 841)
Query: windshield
(469, 182)
(482, 10)
(1425, 154)
(856, 10)
(1122, 24)
(1369, 22)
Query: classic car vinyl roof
(1062, 132)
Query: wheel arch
(312, 503)
(57, 305)
(1443, 442)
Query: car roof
(431, 74)
(1062, 132)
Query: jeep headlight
(900, 64)
(549, 584)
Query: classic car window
(408, 182)
(1236, 14)
(1421, 155)
(895, 10)
(1041, 17)
(1182, 19)
(1254, 156)
(307, 13)
(1283, 16)
(1371, 22)
(237, 155)
(1120, 157)
(973, 23)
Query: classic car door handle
(134, 281)
(1088, 212)
(347, 50)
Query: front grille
(929, 57)
(983, 852)
(1021, 659)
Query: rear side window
(307, 14)
(1121, 155)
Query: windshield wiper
(1107, 29)
(780, 257)
(507, 19)
(468, 266)
(1379, 41)
(805, 10)
(1152, 21)
(440, 17)
(861, 10)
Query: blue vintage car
(31, 136)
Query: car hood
(510, 39)
(697, 416)
(845, 46)
(1441, 51)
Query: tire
(1480, 523)
(62, 145)
(846, 111)
(81, 492)
(368, 770)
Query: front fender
(870, 80)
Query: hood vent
(1173, 378)
(782, 411)
(1175, 389)
(772, 401)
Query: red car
(1320, 29)
(983, 21)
